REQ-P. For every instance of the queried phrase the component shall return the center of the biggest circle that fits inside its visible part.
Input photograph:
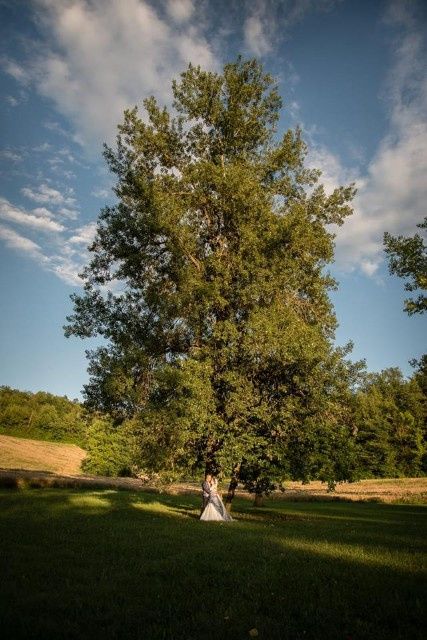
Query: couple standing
(213, 507)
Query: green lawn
(111, 564)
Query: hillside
(20, 453)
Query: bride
(215, 509)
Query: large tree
(208, 283)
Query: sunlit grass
(89, 500)
(112, 564)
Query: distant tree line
(41, 416)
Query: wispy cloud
(12, 101)
(103, 52)
(46, 194)
(101, 193)
(15, 70)
(66, 264)
(11, 155)
(112, 53)
(42, 211)
(109, 53)
(269, 21)
(52, 125)
(38, 219)
(41, 148)
(84, 235)
(20, 243)
(68, 213)
(257, 33)
(180, 10)
(392, 191)
(60, 250)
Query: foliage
(391, 427)
(110, 450)
(408, 259)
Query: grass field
(55, 457)
(121, 564)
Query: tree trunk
(259, 500)
(30, 419)
(232, 487)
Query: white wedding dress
(215, 509)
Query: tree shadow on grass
(115, 564)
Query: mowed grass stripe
(111, 564)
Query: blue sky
(352, 73)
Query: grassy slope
(124, 565)
(20, 453)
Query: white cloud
(264, 17)
(68, 213)
(54, 161)
(42, 211)
(67, 269)
(66, 153)
(52, 125)
(369, 267)
(65, 173)
(48, 195)
(84, 235)
(256, 35)
(10, 154)
(20, 243)
(65, 265)
(62, 252)
(101, 193)
(180, 10)
(12, 101)
(39, 220)
(103, 56)
(393, 191)
(333, 171)
(42, 147)
(17, 71)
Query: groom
(206, 490)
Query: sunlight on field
(21, 453)
(374, 556)
(156, 507)
(122, 564)
(90, 500)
